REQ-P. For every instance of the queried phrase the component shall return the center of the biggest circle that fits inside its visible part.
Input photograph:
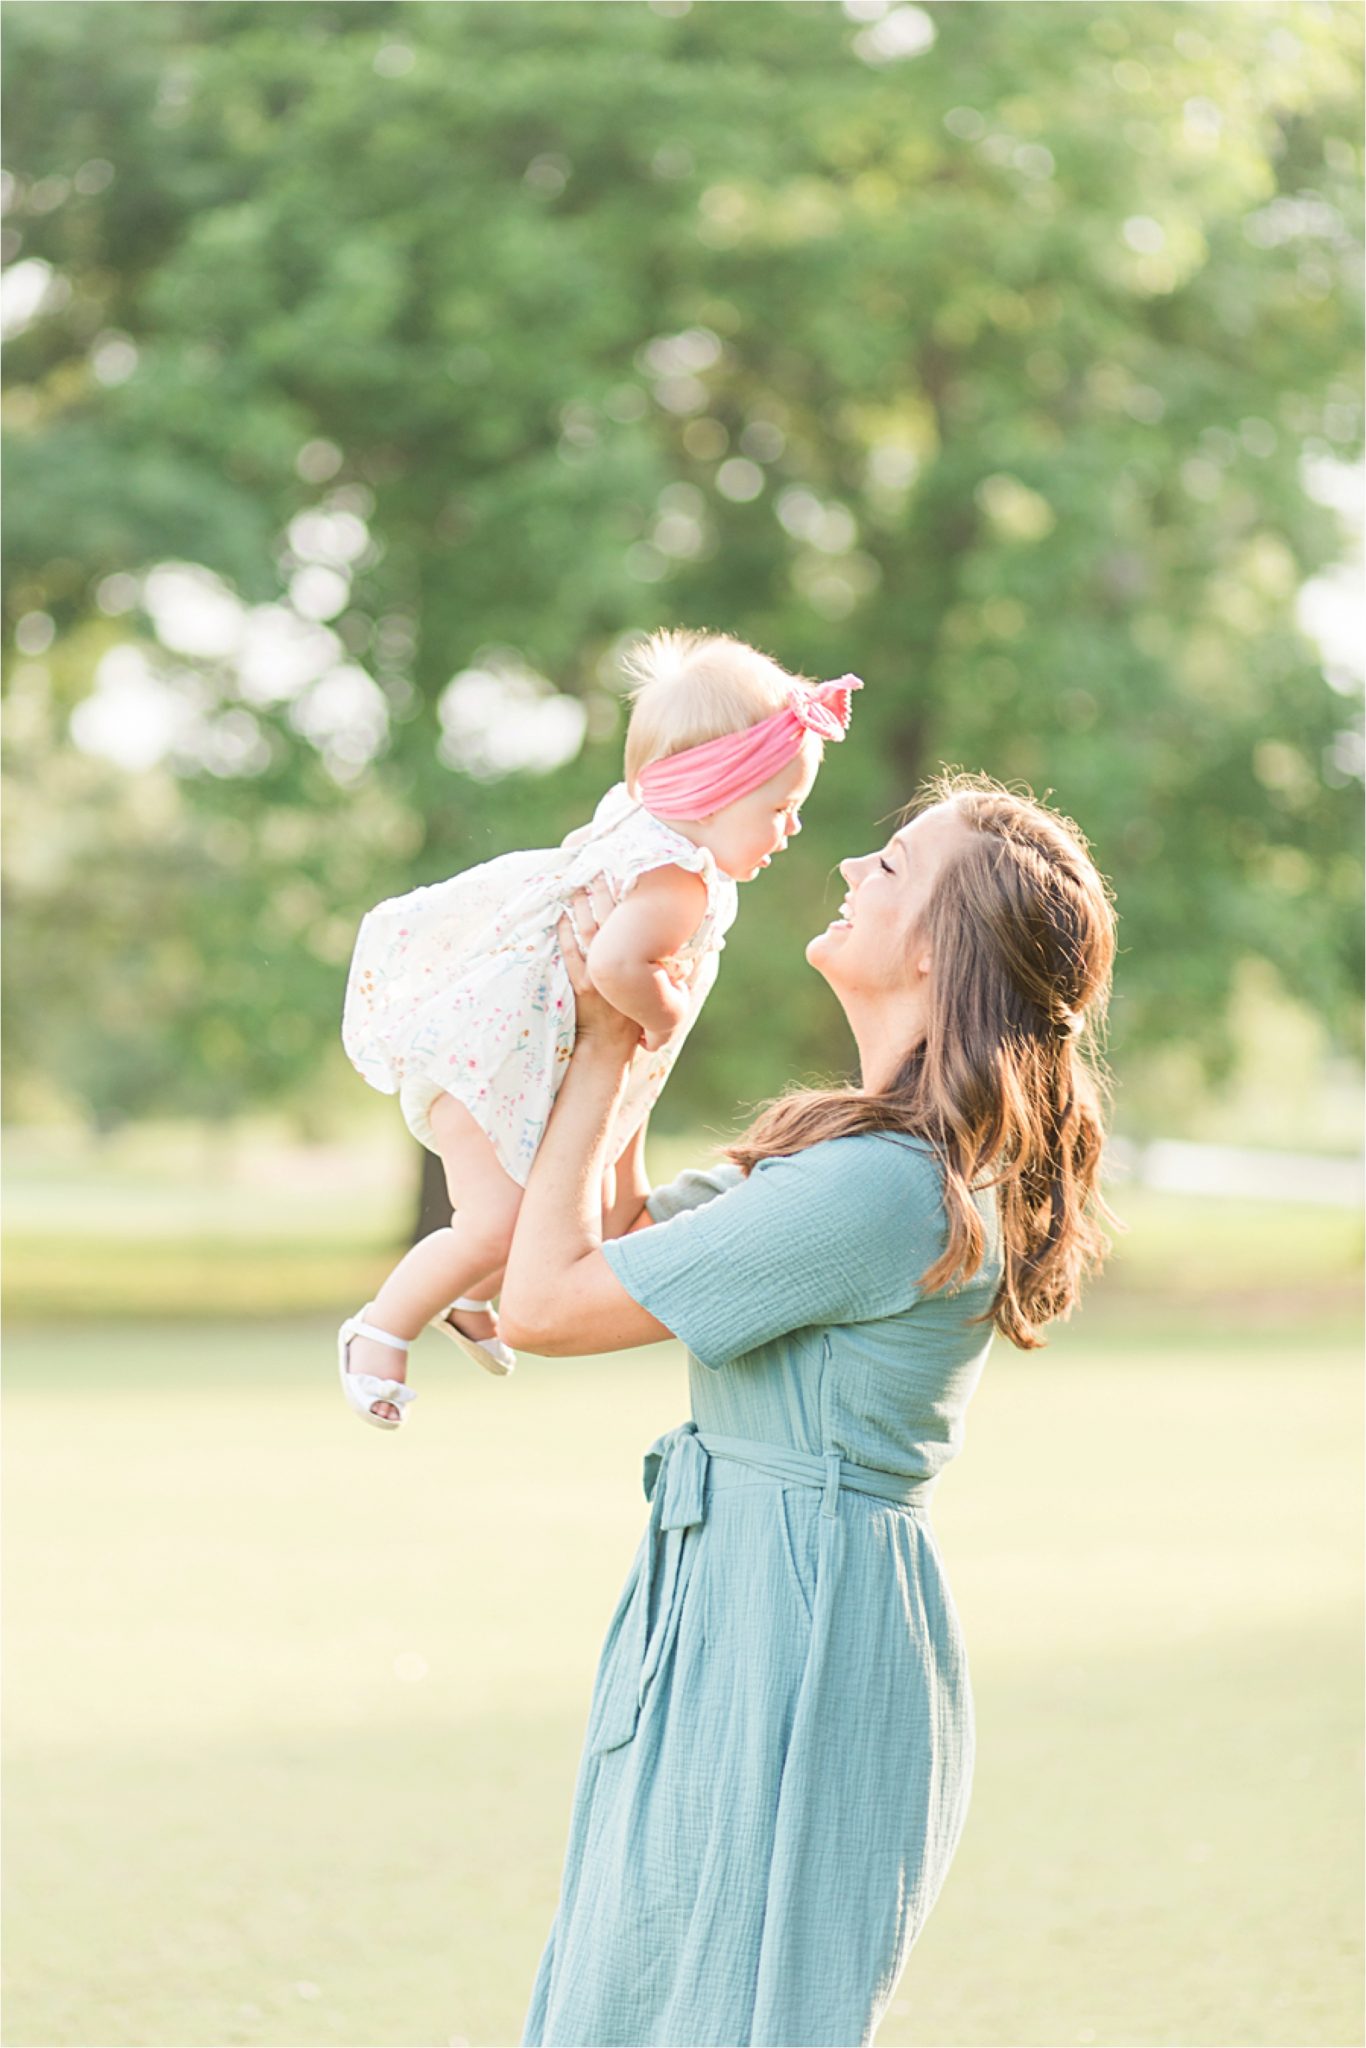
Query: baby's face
(745, 836)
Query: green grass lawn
(293, 1708)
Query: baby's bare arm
(662, 912)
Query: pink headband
(704, 779)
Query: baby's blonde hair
(690, 687)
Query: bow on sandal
(490, 1352)
(363, 1389)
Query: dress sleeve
(839, 1233)
(654, 850)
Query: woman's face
(870, 948)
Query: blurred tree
(980, 350)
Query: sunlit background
(374, 373)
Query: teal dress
(780, 1744)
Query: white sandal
(490, 1352)
(363, 1389)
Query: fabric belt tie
(675, 1481)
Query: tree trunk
(433, 1210)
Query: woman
(780, 1743)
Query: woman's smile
(868, 951)
(843, 919)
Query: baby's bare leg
(447, 1262)
(625, 1187)
(449, 1118)
(476, 1323)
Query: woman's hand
(598, 1021)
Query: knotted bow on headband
(705, 779)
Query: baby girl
(459, 1001)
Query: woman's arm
(560, 1297)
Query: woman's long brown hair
(1008, 1084)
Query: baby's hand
(680, 981)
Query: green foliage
(1019, 345)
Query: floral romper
(462, 986)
